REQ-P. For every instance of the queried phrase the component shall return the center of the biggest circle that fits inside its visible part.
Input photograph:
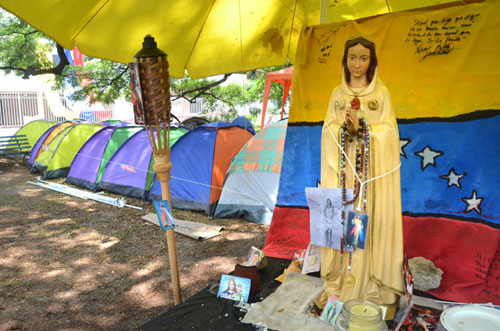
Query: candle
(364, 310)
(363, 318)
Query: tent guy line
(152, 172)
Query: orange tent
(284, 77)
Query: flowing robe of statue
(378, 268)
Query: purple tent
(111, 122)
(37, 146)
(88, 165)
(130, 170)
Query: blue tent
(244, 123)
(200, 160)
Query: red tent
(284, 77)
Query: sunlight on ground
(30, 192)
(84, 261)
(14, 256)
(5, 209)
(84, 238)
(239, 235)
(80, 204)
(52, 273)
(215, 265)
(147, 270)
(54, 221)
(8, 232)
(146, 295)
(67, 295)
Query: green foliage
(256, 91)
(100, 80)
(21, 46)
(27, 52)
(229, 98)
(217, 98)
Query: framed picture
(234, 288)
(164, 214)
(357, 226)
(254, 257)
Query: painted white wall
(14, 83)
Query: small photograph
(422, 318)
(135, 84)
(312, 259)
(357, 226)
(254, 257)
(165, 217)
(234, 288)
(331, 311)
(325, 216)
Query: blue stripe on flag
(301, 165)
(452, 168)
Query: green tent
(34, 130)
(55, 159)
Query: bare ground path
(73, 264)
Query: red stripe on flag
(289, 231)
(468, 253)
(77, 57)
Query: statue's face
(358, 60)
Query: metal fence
(19, 108)
(15, 107)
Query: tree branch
(34, 71)
(25, 34)
(201, 91)
(219, 98)
(111, 82)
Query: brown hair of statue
(373, 56)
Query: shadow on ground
(73, 264)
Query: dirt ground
(73, 264)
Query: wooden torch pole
(162, 168)
(155, 89)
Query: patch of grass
(11, 285)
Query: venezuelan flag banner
(442, 70)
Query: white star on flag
(402, 145)
(453, 178)
(428, 156)
(473, 203)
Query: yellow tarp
(206, 37)
(434, 63)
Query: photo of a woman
(230, 290)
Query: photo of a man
(164, 214)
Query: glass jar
(360, 315)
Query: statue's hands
(352, 122)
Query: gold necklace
(357, 94)
(355, 102)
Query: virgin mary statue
(361, 120)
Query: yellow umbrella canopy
(204, 37)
